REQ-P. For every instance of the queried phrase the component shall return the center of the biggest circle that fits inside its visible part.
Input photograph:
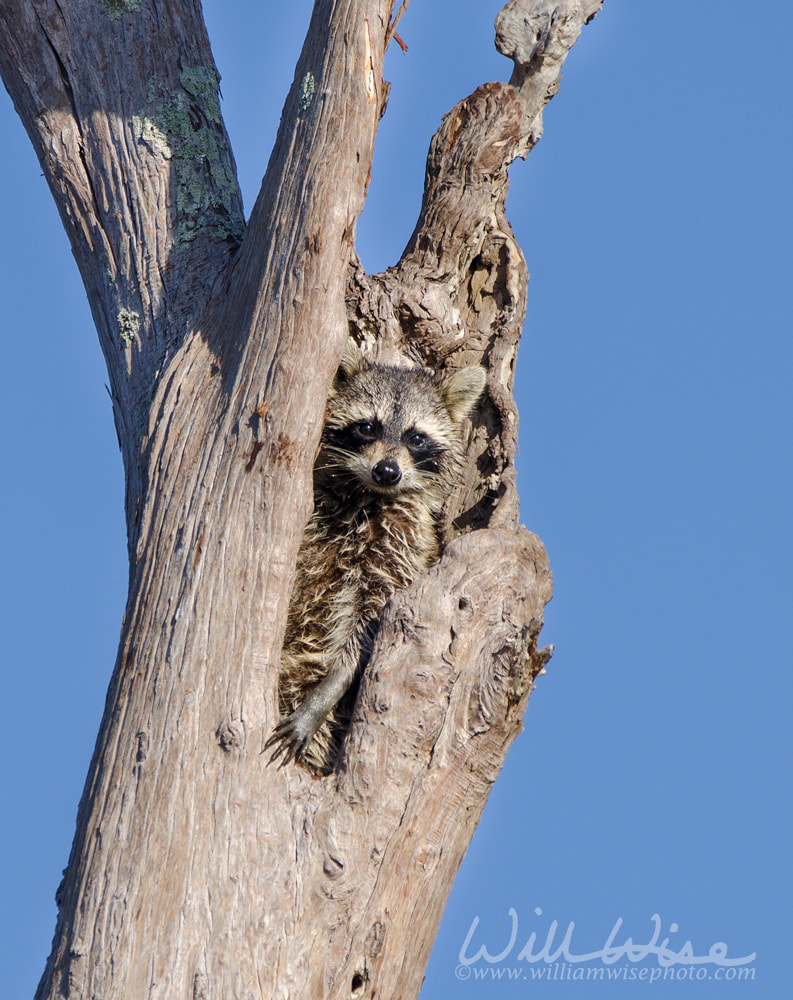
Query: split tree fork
(197, 870)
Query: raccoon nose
(386, 472)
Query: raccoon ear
(352, 362)
(461, 390)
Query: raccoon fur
(388, 456)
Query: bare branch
(459, 290)
(467, 164)
(538, 35)
(139, 163)
(308, 215)
(392, 27)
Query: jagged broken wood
(196, 869)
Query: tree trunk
(197, 869)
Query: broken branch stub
(458, 294)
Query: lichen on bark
(185, 126)
(115, 9)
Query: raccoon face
(385, 453)
(391, 431)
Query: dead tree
(197, 870)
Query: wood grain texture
(197, 870)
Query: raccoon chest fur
(388, 456)
(347, 570)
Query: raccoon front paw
(292, 736)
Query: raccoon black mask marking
(388, 456)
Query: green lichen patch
(115, 9)
(128, 325)
(306, 95)
(107, 270)
(186, 126)
(202, 83)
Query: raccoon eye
(417, 440)
(364, 430)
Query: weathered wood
(451, 675)
(197, 870)
(460, 285)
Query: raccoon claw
(289, 739)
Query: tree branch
(459, 290)
(394, 24)
(466, 177)
(140, 167)
(293, 263)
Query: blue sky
(654, 391)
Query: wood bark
(197, 870)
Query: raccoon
(388, 455)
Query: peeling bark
(197, 870)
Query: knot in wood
(230, 736)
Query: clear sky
(654, 387)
